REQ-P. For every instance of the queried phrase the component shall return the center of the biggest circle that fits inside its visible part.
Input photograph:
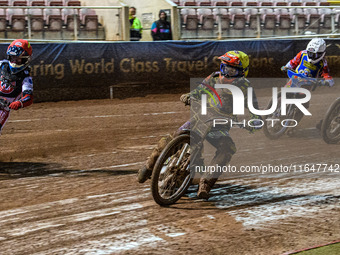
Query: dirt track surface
(67, 185)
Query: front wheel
(171, 173)
(275, 124)
(330, 129)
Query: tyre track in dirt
(81, 196)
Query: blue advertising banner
(87, 70)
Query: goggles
(314, 55)
(230, 71)
(18, 60)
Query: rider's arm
(200, 89)
(27, 92)
(293, 63)
(325, 73)
(26, 97)
(208, 82)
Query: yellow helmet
(234, 64)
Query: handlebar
(312, 82)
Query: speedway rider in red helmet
(16, 84)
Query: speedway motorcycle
(174, 172)
(274, 130)
(330, 128)
(171, 175)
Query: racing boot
(292, 130)
(205, 186)
(196, 176)
(145, 171)
(222, 156)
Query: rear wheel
(330, 129)
(171, 174)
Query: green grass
(333, 249)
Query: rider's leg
(225, 148)
(298, 117)
(3, 118)
(145, 171)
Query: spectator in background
(161, 29)
(135, 25)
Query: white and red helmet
(19, 54)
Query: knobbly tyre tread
(265, 129)
(157, 169)
(326, 123)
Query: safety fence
(66, 71)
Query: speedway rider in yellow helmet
(234, 68)
(234, 64)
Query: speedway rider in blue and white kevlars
(16, 85)
(311, 62)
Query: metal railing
(123, 24)
(333, 31)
